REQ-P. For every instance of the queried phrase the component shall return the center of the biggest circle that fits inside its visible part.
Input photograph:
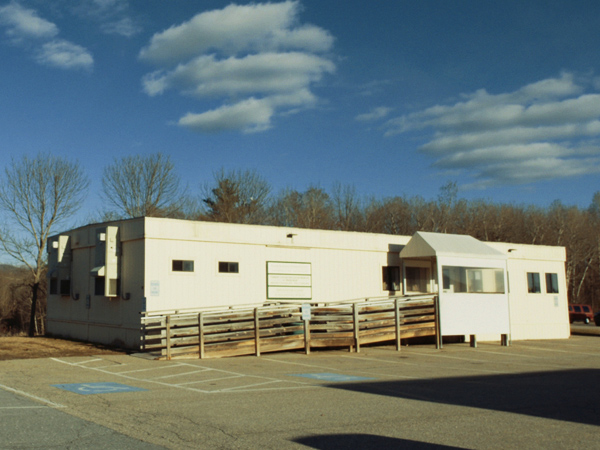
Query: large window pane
(391, 278)
(533, 283)
(183, 266)
(417, 279)
(484, 280)
(551, 283)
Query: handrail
(254, 330)
(250, 306)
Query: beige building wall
(540, 315)
(343, 266)
(97, 318)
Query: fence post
(307, 336)
(397, 319)
(356, 328)
(473, 341)
(256, 333)
(438, 331)
(201, 335)
(143, 336)
(168, 331)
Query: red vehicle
(582, 313)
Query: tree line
(37, 195)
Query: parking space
(28, 421)
(488, 397)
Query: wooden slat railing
(221, 333)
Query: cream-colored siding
(343, 266)
(95, 318)
(541, 315)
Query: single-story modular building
(102, 276)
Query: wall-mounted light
(291, 235)
(510, 250)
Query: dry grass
(21, 347)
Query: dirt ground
(45, 347)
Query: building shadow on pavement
(364, 442)
(568, 395)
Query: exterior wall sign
(306, 315)
(289, 281)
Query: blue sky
(394, 97)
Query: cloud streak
(258, 59)
(545, 130)
(25, 28)
(112, 15)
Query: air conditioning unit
(59, 265)
(106, 262)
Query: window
(65, 287)
(533, 283)
(391, 278)
(551, 283)
(417, 279)
(99, 286)
(483, 280)
(114, 287)
(228, 267)
(53, 286)
(183, 266)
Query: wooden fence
(252, 331)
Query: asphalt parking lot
(533, 394)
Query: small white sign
(289, 280)
(154, 288)
(306, 311)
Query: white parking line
(182, 374)
(23, 407)
(145, 370)
(87, 361)
(237, 388)
(226, 375)
(209, 380)
(31, 396)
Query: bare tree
(309, 209)
(237, 197)
(36, 195)
(347, 207)
(137, 186)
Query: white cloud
(65, 55)
(533, 170)
(263, 73)
(375, 114)
(22, 23)
(249, 115)
(113, 16)
(541, 131)
(123, 27)
(236, 28)
(26, 29)
(257, 56)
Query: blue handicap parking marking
(327, 376)
(98, 388)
